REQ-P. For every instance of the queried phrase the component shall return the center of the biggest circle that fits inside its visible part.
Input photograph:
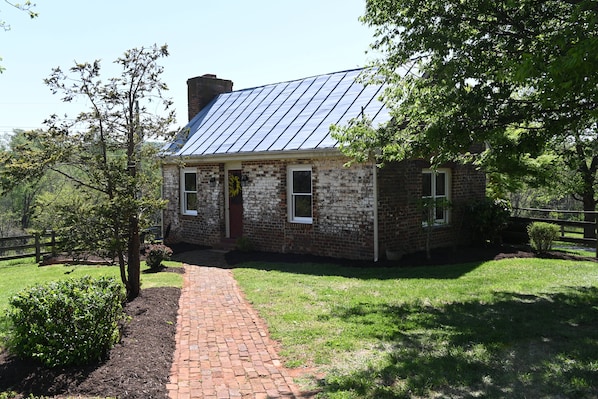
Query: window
(300, 194)
(435, 196)
(189, 191)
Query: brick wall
(344, 213)
(343, 210)
(170, 191)
(338, 230)
(206, 228)
(400, 222)
(264, 204)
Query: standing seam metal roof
(287, 116)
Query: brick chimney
(203, 89)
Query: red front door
(235, 204)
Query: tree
(27, 7)
(20, 199)
(101, 151)
(517, 76)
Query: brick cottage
(261, 164)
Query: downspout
(376, 234)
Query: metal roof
(286, 116)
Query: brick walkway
(223, 348)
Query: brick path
(223, 348)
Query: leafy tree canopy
(102, 152)
(514, 75)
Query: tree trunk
(121, 257)
(589, 204)
(26, 211)
(134, 261)
(588, 195)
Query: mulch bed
(139, 366)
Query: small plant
(67, 322)
(155, 254)
(489, 218)
(244, 244)
(541, 235)
(429, 208)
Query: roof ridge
(296, 80)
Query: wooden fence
(25, 246)
(563, 218)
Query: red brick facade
(400, 187)
(343, 208)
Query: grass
(515, 328)
(576, 249)
(15, 275)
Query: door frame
(227, 167)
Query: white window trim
(291, 198)
(184, 210)
(448, 187)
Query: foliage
(78, 223)
(67, 322)
(489, 217)
(8, 224)
(244, 244)
(104, 153)
(19, 200)
(486, 329)
(541, 235)
(509, 85)
(155, 254)
(475, 70)
(18, 274)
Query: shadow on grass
(446, 263)
(324, 266)
(366, 273)
(516, 346)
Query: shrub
(155, 254)
(244, 244)
(67, 322)
(541, 235)
(489, 218)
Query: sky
(251, 42)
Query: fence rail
(25, 246)
(552, 216)
(39, 245)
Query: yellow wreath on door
(234, 186)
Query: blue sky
(251, 42)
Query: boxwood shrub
(67, 322)
(155, 254)
(541, 235)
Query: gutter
(376, 233)
(253, 156)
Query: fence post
(596, 231)
(37, 248)
(53, 243)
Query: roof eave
(255, 156)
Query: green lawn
(517, 328)
(18, 274)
